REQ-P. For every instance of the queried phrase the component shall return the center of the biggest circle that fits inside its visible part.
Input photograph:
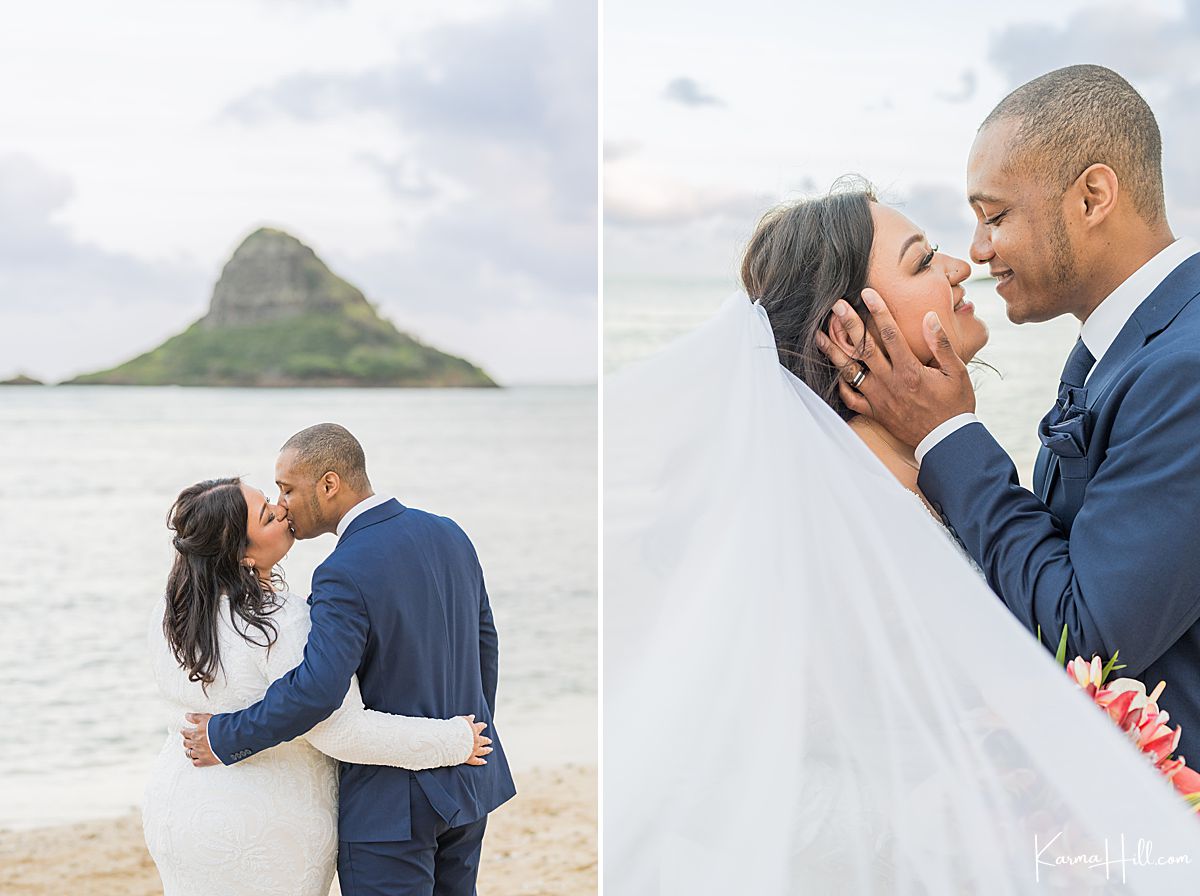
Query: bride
(873, 720)
(808, 260)
(223, 632)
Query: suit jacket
(1110, 543)
(401, 603)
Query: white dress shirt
(1100, 330)
(357, 510)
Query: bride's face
(267, 528)
(914, 279)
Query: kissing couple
(354, 727)
(814, 544)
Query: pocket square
(1066, 433)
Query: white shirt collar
(357, 510)
(1100, 330)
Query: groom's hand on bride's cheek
(195, 740)
(908, 398)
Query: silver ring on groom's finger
(859, 377)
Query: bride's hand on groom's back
(906, 397)
(480, 747)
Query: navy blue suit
(1110, 543)
(401, 603)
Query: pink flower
(1186, 780)
(1087, 675)
(1137, 714)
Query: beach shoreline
(541, 843)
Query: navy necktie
(1079, 365)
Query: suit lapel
(1129, 340)
(1151, 317)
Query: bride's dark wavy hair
(209, 522)
(802, 258)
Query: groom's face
(298, 494)
(1020, 230)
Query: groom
(1065, 180)
(401, 603)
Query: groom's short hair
(1074, 117)
(328, 447)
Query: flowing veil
(807, 689)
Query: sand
(542, 843)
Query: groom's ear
(331, 484)
(1097, 191)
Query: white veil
(807, 689)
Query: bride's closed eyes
(924, 261)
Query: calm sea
(641, 315)
(88, 475)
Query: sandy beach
(542, 843)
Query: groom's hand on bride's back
(195, 741)
(908, 398)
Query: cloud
(672, 207)
(29, 197)
(688, 93)
(404, 177)
(657, 226)
(1130, 39)
(44, 264)
(94, 296)
(699, 248)
(305, 4)
(968, 82)
(616, 150)
(502, 112)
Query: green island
(280, 318)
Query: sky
(712, 115)
(441, 157)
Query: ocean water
(90, 473)
(642, 315)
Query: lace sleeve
(357, 734)
(360, 735)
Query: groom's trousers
(438, 860)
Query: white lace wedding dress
(267, 826)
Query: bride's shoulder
(282, 601)
(285, 612)
(291, 607)
(292, 601)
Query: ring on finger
(859, 377)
